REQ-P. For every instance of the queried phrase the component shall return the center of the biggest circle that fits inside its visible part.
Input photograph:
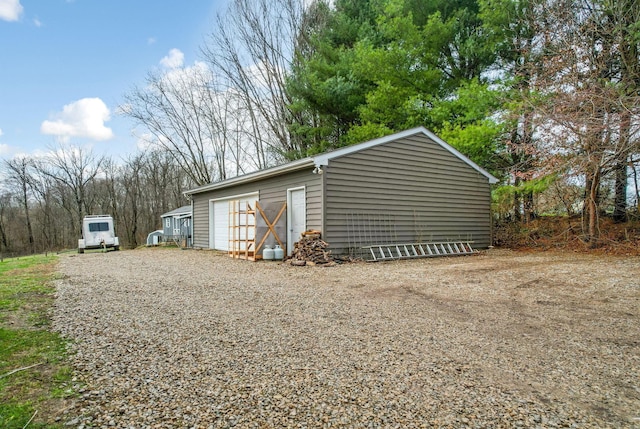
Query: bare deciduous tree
(5, 203)
(20, 170)
(194, 118)
(252, 48)
(169, 107)
(73, 169)
(585, 105)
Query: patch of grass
(33, 373)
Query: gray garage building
(403, 188)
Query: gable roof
(179, 212)
(323, 159)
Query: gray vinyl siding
(271, 190)
(405, 191)
(167, 230)
(174, 223)
(200, 221)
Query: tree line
(542, 93)
(45, 198)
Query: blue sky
(66, 64)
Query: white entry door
(296, 216)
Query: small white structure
(98, 233)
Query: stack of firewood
(310, 250)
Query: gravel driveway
(169, 338)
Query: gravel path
(169, 338)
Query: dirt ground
(564, 326)
(554, 337)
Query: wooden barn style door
(242, 230)
(252, 226)
(271, 225)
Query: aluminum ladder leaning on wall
(385, 252)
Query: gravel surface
(168, 338)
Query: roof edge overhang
(184, 210)
(323, 160)
(252, 177)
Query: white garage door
(220, 218)
(221, 225)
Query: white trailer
(98, 233)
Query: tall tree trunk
(626, 13)
(637, 186)
(25, 201)
(3, 235)
(134, 225)
(526, 158)
(620, 202)
(517, 214)
(528, 207)
(80, 215)
(591, 206)
(620, 208)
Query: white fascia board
(323, 159)
(251, 177)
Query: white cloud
(10, 10)
(5, 149)
(37, 22)
(151, 40)
(82, 118)
(146, 141)
(174, 60)
(1, 132)
(188, 75)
